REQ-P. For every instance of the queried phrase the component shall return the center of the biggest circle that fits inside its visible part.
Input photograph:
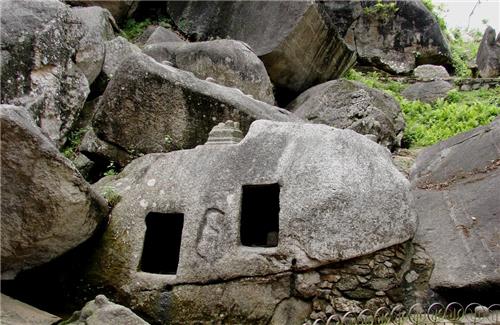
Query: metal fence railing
(437, 313)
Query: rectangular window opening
(260, 209)
(162, 243)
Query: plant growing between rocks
(382, 10)
(73, 141)
(111, 196)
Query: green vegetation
(383, 10)
(457, 113)
(437, 11)
(134, 29)
(464, 50)
(463, 44)
(73, 141)
(111, 170)
(427, 124)
(110, 194)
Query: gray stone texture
(15, 312)
(161, 35)
(394, 42)
(351, 105)
(91, 50)
(150, 107)
(120, 9)
(47, 207)
(225, 133)
(455, 189)
(488, 54)
(296, 40)
(101, 311)
(38, 41)
(430, 72)
(227, 62)
(427, 92)
(117, 50)
(336, 187)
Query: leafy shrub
(73, 141)
(427, 124)
(464, 50)
(437, 12)
(382, 10)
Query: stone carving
(225, 133)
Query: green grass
(427, 124)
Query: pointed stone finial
(225, 133)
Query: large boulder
(427, 92)
(150, 107)
(456, 196)
(488, 55)
(101, 311)
(159, 34)
(218, 230)
(117, 50)
(229, 63)
(38, 41)
(15, 312)
(120, 9)
(91, 50)
(47, 207)
(351, 105)
(395, 38)
(430, 72)
(296, 40)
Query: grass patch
(427, 124)
(111, 196)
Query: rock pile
(229, 209)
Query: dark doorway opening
(260, 209)
(162, 243)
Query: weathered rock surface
(100, 150)
(455, 189)
(298, 44)
(430, 72)
(47, 207)
(91, 50)
(351, 105)
(149, 107)
(161, 34)
(101, 311)
(38, 41)
(488, 54)
(229, 63)
(120, 9)
(392, 41)
(117, 50)
(427, 92)
(335, 188)
(15, 312)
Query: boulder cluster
(222, 170)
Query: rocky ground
(184, 162)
